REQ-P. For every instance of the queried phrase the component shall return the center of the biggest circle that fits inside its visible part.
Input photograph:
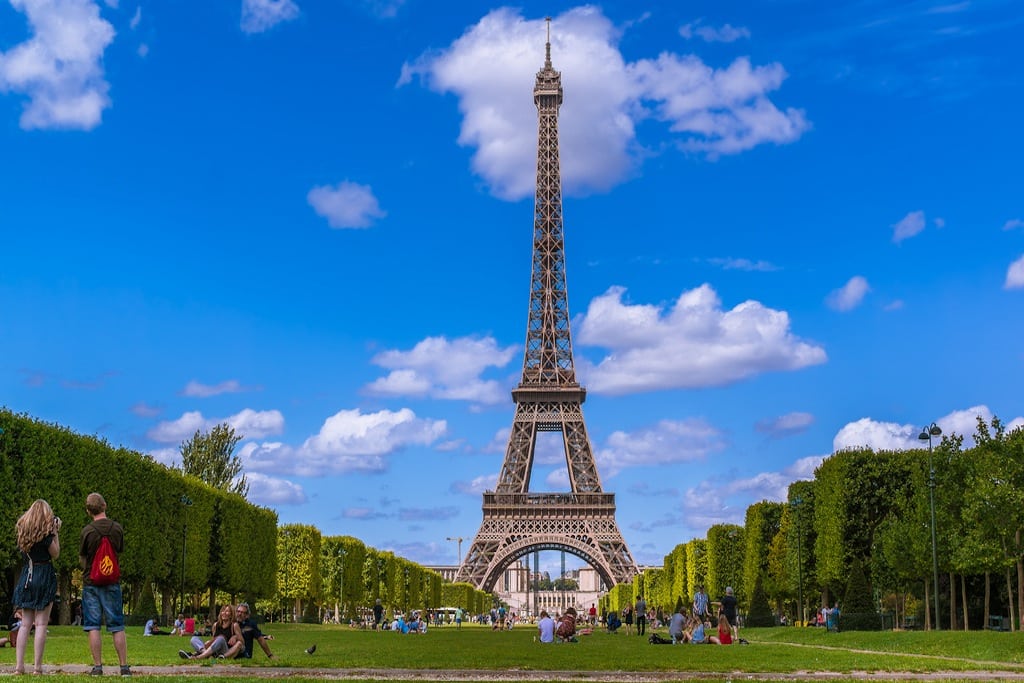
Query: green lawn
(778, 650)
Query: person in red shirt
(593, 614)
(724, 630)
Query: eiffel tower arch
(548, 399)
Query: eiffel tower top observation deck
(548, 399)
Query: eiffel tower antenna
(548, 399)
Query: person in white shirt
(546, 628)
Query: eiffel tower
(548, 399)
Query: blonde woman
(36, 531)
(226, 642)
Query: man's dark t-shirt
(250, 632)
(378, 614)
(90, 542)
(729, 608)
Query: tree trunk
(927, 607)
(988, 598)
(1009, 597)
(64, 611)
(952, 602)
(963, 597)
(1020, 583)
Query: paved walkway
(488, 676)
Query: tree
(210, 456)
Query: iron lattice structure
(548, 399)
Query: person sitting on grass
(13, 632)
(179, 626)
(251, 632)
(613, 622)
(545, 628)
(724, 631)
(153, 629)
(225, 643)
(699, 631)
(677, 627)
(566, 630)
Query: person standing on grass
(378, 614)
(102, 603)
(627, 619)
(641, 616)
(36, 532)
(458, 617)
(700, 604)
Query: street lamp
(926, 435)
(799, 556)
(187, 503)
(341, 583)
(459, 539)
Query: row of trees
(344, 575)
(191, 534)
(859, 534)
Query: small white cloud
(60, 67)
(362, 513)
(262, 15)
(939, 223)
(200, 390)
(142, 409)
(669, 441)
(136, 18)
(270, 491)
(849, 296)
(143, 50)
(476, 486)
(894, 305)
(727, 33)
(167, 456)
(345, 205)
(1013, 224)
(251, 424)
(785, 425)
(348, 441)
(694, 344)
(1015, 275)
(444, 369)
(743, 264)
(908, 226)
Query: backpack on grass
(656, 639)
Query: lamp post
(799, 557)
(926, 435)
(459, 539)
(186, 502)
(341, 583)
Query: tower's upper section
(548, 360)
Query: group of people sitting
(233, 636)
(692, 629)
(416, 624)
(564, 629)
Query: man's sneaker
(184, 655)
(126, 670)
(96, 671)
(220, 656)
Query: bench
(998, 623)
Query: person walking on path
(641, 616)
(37, 586)
(102, 603)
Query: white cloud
(1015, 275)
(908, 226)
(142, 409)
(716, 111)
(476, 486)
(894, 305)
(346, 205)
(785, 425)
(726, 34)
(695, 344)
(669, 441)
(60, 67)
(867, 432)
(444, 369)
(264, 490)
(1013, 223)
(348, 441)
(252, 424)
(743, 264)
(262, 15)
(849, 296)
(167, 456)
(136, 18)
(200, 390)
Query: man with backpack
(102, 542)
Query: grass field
(771, 652)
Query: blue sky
(791, 227)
